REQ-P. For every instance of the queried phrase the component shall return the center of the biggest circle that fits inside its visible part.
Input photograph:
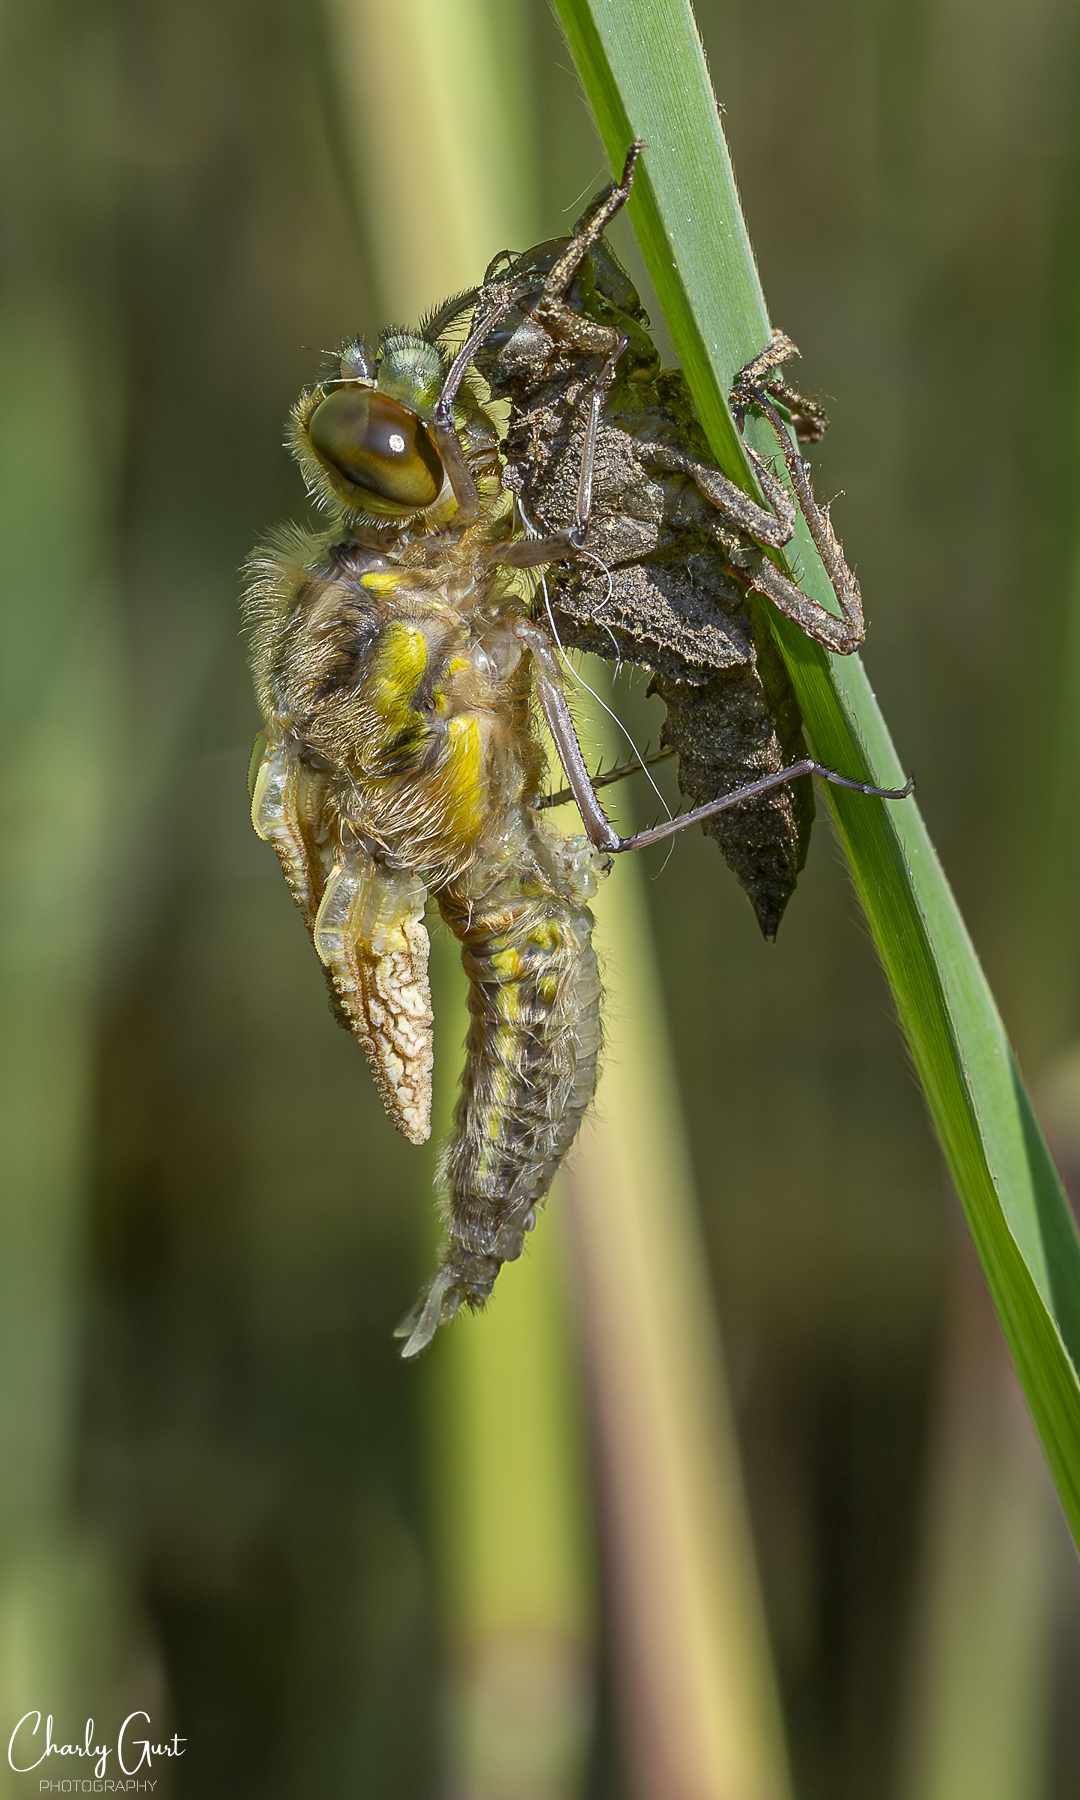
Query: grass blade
(644, 73)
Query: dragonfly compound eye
(378, 446)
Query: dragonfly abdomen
(531, 1056)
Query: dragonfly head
(364, 441)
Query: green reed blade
(644, 73)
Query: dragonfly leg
(609, 777)
(566, 545)
(601, 832)
(754, 387)
(590, 228)
(810, 419)
(772, 524)
(559, 721)
(807, 766)
(503, 295)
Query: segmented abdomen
(530, 1069)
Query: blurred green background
(222, 1497)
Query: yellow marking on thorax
(380, 581)
(463, 776)
(399, 666)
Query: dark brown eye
(377, 445)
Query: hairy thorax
(401, 675)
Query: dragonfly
(401, 665)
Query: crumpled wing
(371, 935)
(288, 810)
(366, 922)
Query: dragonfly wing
(370, 933)
(288, 810)
(367, 925)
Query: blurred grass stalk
(516, 1559)
(59, 691)
(434, 112)
(697, 1691)
(980, 1690)
(436, 199)
(644, 72)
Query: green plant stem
(644, 73)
